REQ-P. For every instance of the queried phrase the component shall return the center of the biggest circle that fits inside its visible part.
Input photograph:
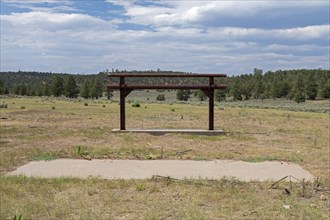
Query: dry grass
(40, 132)
(154, 199)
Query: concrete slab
(168, 131)
(180, 169)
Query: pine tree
(17, 89)
(220, 95)
(258, 89)
(2, 89)
(31, 91)
(96, 89)
(258, 83)
(70, 87)
(39, 91)
(57, 87)
(291, 94)
(325, 90)
(85, 90)
(236, 91)
(24, 89)
(299, 90)
(311, 88)
(46, 90)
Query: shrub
(3, 106)
(160, 97)
(136, 104)
(53, 107)
(85, 104)
(22, 107)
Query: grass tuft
(45, 156)
(140, 187)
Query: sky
(231, 37)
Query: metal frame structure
(125, 89)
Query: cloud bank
(229, 37)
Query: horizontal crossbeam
(167, 75)
(166, 86)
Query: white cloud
(52, 21)
(194, 12)
(309, 32)
(298, 33)
(63, 42)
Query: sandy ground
(180, 169)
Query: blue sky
(233, 37)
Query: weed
(53, 107)
(3, 106)
(200, 158)
(140, 187)
(103, 106)
(173, 109)
(22, 107)
(259, 159)
(78, 151)
(85, 104)
(45, 156)
(18, 217)
(82, 153)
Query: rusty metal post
(122, 103)
(211, 103)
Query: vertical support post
(122, 103)
(211, 103)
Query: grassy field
(45, 129)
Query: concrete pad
(167, 131)
(179, 169)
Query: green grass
(45, 156)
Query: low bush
(160, 97)
(136, 104)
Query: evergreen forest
(296, 85)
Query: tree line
(297, 85)
(49, 84)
